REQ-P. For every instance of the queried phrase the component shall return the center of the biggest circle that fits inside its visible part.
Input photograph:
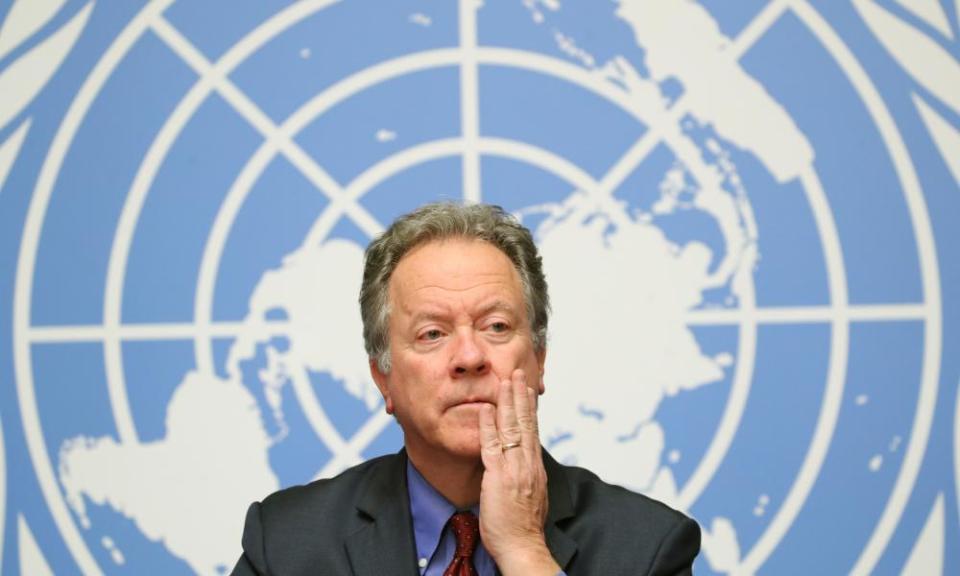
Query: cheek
(418, 382)
(525, 358)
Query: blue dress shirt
(435, 544)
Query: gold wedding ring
(506, 447)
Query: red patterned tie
(466, 528)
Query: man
(454, 306)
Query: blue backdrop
(747, 210)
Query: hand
(513, 493)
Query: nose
(469, 357)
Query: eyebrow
(497, 306)
(438, 314)
(423, 316)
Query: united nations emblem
(746, 224)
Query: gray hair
(441, 221)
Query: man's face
(458, 326)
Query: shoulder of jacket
(334, 492)
(590, 493)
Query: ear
(381, 380)
(541, 361)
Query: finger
(526, 418)
(532, 401)
(507, 416)
(490, 447)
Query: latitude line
(469, 100)
(640, 149)
(154, 331)
(811, 314)
(52, 334)
(277, 137)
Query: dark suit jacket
(359, 523)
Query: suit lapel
(562, 547)
(384, 547)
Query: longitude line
(469, 100)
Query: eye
(499, 327)
(432, 334)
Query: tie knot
(466, 529)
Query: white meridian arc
(119, 255)
(930, 275)
(33, 225)
(836, 379)
(733, 411)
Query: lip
(471, 403)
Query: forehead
(453, 268)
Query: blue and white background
(748, 213)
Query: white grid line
(469, 100)
(154, 331)
(707, 317)
(811, 314)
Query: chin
(465, 444)
(467, 453)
